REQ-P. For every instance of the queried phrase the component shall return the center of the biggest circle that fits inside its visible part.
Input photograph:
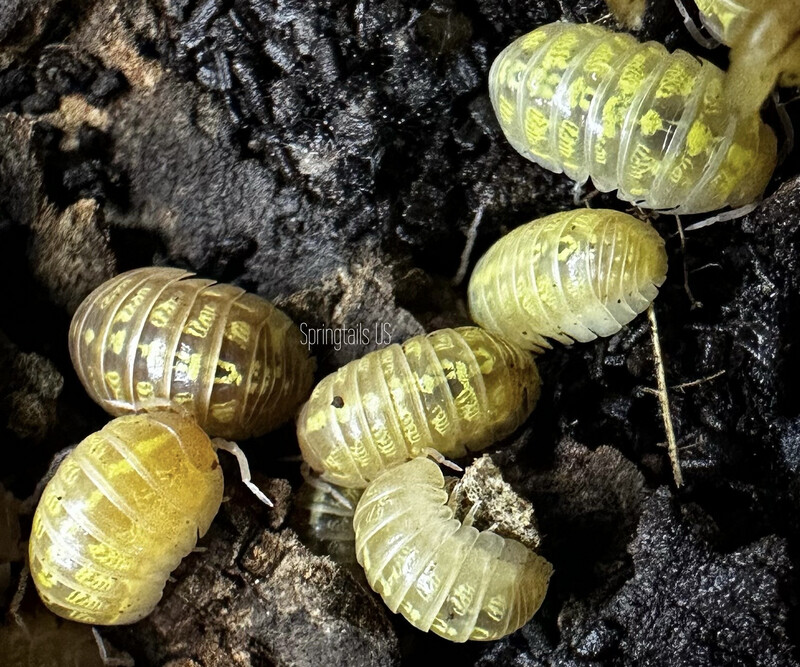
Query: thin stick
(663, 399)
(694, 383)
(695, 303)
(472, 234)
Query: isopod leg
(315, 482)
(694, 31)
(469, 519)
(120, 660)
(441, 460)
(733, 214)
(244, 467)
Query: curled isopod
(451, 391)
(441, 574)
(154, 335)
(122, 510)
(569, 276)
(764, 36)
(589, 102)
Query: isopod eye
(337, 402)
(594, 291)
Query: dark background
(332, 156)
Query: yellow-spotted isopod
(451, 391)
(441, 574)
(122, 510)
(155, 335)
(589, 102)
(764, 36)
(570, 276)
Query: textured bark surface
(333, 156)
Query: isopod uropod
(229, 357)
(439, 573)
(568, 276)
(764, 36)
(652, 125)
(450, 391)
(122, 510)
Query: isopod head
(570, 276)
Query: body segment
(441, 574)
(453, 390)
(230, 357)
(324, 523)
(569, 276)
(589, 102)
(122, 510)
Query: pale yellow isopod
(570, 276)
(451, 391)
(441, 574)
(653, 125)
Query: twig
(695, 303)
(694, 383)
(472, 234)
(663, 399)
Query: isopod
(441, 574)
(155, 335)
(450, 391)
(325, 523)
(589, 102)
(571, 276)
(764, 36)
(122, 510)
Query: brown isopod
(156, 335)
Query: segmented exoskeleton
(229, 357)
(569, 276)
(764, 36)
(652, 125)
(325, 523)
(450, 391)
(439, 573)
(122, 510)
